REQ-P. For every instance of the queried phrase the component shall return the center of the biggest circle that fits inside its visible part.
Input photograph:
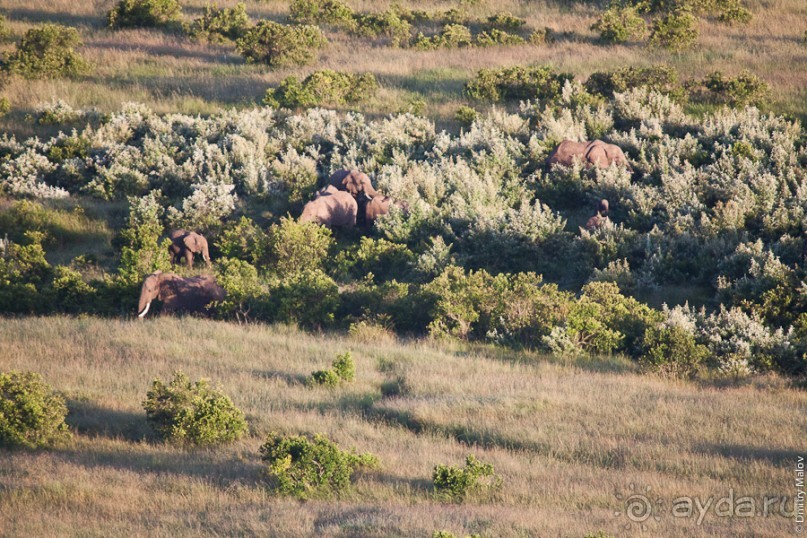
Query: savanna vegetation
(479, 361)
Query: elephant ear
(192, 242)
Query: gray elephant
(355, 182)
(596, 153)
(185, 244)
(600, 219)
(380, 206)
(331, 207)
(178, 294)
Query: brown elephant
(380, 206)
(331, 207)
(185, 244)
(596, 153)
(600, 219)
(353, 181)
(178, 294)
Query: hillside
(565, 437)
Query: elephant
(600, 219)
(380, 206)
(185, 244)
(596, 153)
(331, 207)
(353, 181)
(178, 294)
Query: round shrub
(193, 413)
(143, 13)
(456, 483)
(514, 83)
(280, 45)
(333, 12)
(31, 414)
(673, 350)
(674, 31)
(217, 24)
(619, 25)
(320, 88)
(311, 467)
(47, 51)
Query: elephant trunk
(206, 255)
(370, 191)
(142, 314)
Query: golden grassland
(174, 74)
(566, 437)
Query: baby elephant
(600, 219)
(596, 153)
(331, 207)
(185, 244)
(178, 294)
(380, 206)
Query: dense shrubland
(490, 248)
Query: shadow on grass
(358, 522)
(292, 380)
(778, 456)
(92, 420)
(209, 54)
(60, 17)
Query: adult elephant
(596, 153)
(185, 244)
(178, 294)
(380, 206)
(355, 182)
(331, 207)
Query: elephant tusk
(143, 313)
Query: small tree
(142, 253)
(193, 413)
(48, 51)
(456, 483)
(674, 31)
(31, 414)
(619, 25)
(143, 13)
(298, 246)
(280, 45)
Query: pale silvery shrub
(24, 176)
(56, 112)
(642, 105)
(208, 204)
(294, 175)
(555, 126)
(617, 271)
(434, 259)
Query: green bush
(246, 241)
(541, 36)
(279, 45)
(143, 13)
(246, 297)
(743, 90)
(322, 88)
(506, 21)
(451, 36)
(387, 24)
(31, 414)
(69, 147)
(675, 31)
(514, 83)
(5, 106)
(193, 413)
(466, 116)
(24, 273)
(47, 51)
(495, 37)
(619, 25)
(307, 467)
(342, 369)
(733, 12)
(457, 483)
(375, 258)
(298, 246)
(672, 350)
(70, 293)
(5, 32)
(308, 298)
(660, 78)
(217, 24)
(331, 12)
(142, 253)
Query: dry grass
(173, 74)
(565, 437)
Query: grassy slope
(566, 438)
(173, 74)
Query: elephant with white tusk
(178, 294)
(185, 244)
(355, 182)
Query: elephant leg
(189, 258)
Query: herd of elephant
(348, 199)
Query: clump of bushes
(342, 369)
(514, 83)
(143, 13)
(5, 106)
(452, 36)
(733, 12)
(295, 247)
(660, 78)
(31, 413)
(217, 24)
(674, 31)
(193, 413)
(387, 24)
(495, 36)
(506, 21)
(331, 12)
(5, 32)
(47, 51)
(743, 90)
(619, 24)
(320, 88)
(306, 467)
(457, 483)
(280, 45)
(466, 115)
(672, 350)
